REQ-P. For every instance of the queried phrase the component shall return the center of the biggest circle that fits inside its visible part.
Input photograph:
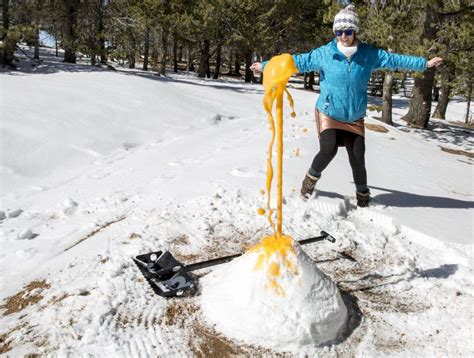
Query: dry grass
(134, 236)
(55, 300)
(206, 342)
(376, 127)
(30, 295)
(178, 312)
(457, 152)
(211, 344)
(5, 341)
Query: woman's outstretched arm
(393, 61)
(305, 62)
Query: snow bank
(278, 299)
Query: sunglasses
(346, 32)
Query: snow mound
(274, 296)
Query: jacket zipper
(348, 90)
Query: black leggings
(355, 145)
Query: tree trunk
(420, 105)
(93, 59)
(203, 58)
(37, 45)
(441, 107)
(146, 50)
(403, 84)
(440, 111)
(309, 80)
(237, 65)
(248, 73)
(208, 66)
(180, 53)
(229, 65)
(469, 99)
(189, 59)
(55, 33)
(164, 50)
(436, 89)
(131, 50)
(387, 96)
(103, 54)
(7, 55)
(70, 32)
(218, 61)
(175, 52)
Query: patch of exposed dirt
(376, 127)
(134, 236)
(390, 344)
(5, 341)
(122, 321)
(206, 342)
(218, 245)
(178, 312)
(383, 301)
(181, 240)
(56, 299)
(372, 290)
(457, 152)
(30, 295)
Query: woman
(345, 66)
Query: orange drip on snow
(282, 250)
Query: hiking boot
(307, 188)
(363, 199)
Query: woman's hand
(435, 62)
(256, 67)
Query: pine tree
(7, 48)
(456, 46)
(435, 13)
(386, 26)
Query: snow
(105, 165)
(282, 302)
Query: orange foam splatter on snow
(276, 255)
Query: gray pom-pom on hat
(346, 19)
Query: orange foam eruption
(275, 77)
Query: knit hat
(346, 19)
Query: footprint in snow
(26, 253)
(14, 213)
(165, 176)
(242, 172)
(25, 234)
(69, 207)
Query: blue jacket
(343, 83)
